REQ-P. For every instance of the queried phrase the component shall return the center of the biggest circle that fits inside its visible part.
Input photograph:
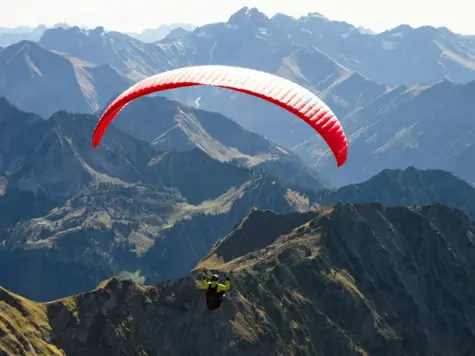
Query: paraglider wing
(279, 91)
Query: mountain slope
(427, 127)
(393, 265)
(110, 229)
(55, 157)
(348, 280)
(44, 82)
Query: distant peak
(280, 15)
(443, 84)
(426, 28)
(315, 16)
(412, 174)
(98, 30)
(24, 45)
(401, 28)
(61, 25)
(76, 30)
(247, 15)
(365, 30)
(4, 103)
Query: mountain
(44, 82)
(400, 56)
(347, 280)
(239, 42)
(127, 208)
(9, 36)
(55, 157)
(400, 273)
(162, 31)
(177, 33)
(131, 57)
(93, 213)
(170, 125)
(404, 187)
(426, 127)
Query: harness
(213, 297)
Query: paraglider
(215, 291)
(279, 91)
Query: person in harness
(215, 291)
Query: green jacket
(205, 284)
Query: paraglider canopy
(279, 91)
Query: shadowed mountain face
(347, 280)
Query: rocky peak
(248, 15)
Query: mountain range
(346, 280)
(133, 207)
(390, 125)
(394, 57)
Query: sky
(136, 15)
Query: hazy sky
(135, 15)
